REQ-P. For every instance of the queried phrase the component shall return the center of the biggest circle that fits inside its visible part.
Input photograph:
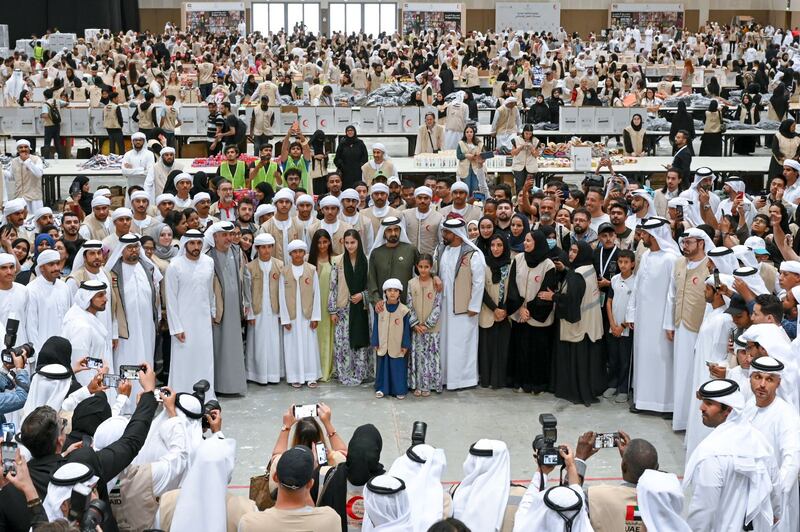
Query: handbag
(259, 490)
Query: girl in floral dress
(349, 311)
(425, 305)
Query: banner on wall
(444, 17)
(661, 15)
(518, 16)
(214, 17)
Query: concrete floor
(455, 420)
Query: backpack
(53, 113)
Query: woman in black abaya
(579, 374)
(531, 274)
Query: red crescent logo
(355, 508)
(695, 280)
(305, 123)
(397, 321)
(275, 276)
(430, 295)
(538, 278)
(323, 122)
(408, 122)
(307, 280)
(427, 227)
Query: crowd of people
(679, 302)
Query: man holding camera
(15, 381)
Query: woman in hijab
(200, 184)
(681, 120)
(79, 191)
(319, 161)
(351, 154)
(711, 141)
(42, 242)
(250, 86)
(778, 104)
(446, 75)
(746, 113)
(579, 375)
(518, 229)
(531, 274)
(633, 137)
(22, 250)
(486, 229)
(539, 111)
(162, 235)
(785, 145)
(346, 485)
(495, 328)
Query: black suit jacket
(683, 162)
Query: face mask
(551, 243)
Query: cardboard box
(288, 116)
(393, 119)
(79, 121)
(201, 112)
(621, 118)
(343, 117)
(188, 116)
(586, 121)
(412, 118)
(96, 121)
(307, 117)
(581, 158)
(603, 120)
(10, 120)
(568, 120)
(128, 125)
(369, 120)
(326, 121)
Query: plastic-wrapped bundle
(484, 101)
(393, 94)
(657, 124)
(100, 162)
(770, 125)
(736, 125)
(694, 100)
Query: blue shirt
(13, 397)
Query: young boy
(740, 373)
(300, 315)
(170, 120)
(391, 336)
(620, 335)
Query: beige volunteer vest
(423, 298)
(529, 282)
(257, 284)
(690, 299)
(306, 290)
(390, 332)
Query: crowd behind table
(679, 302)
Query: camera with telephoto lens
(94, 515)
(418, 432)
(8, 353)
(209, 406)
(545, 443)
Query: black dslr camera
(418, 432)
(545, 443)
(8, 353)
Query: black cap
(295, 467)
(736, 306)
(605, 227)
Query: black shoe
(634, 410)
(667, 415)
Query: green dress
(325, 329)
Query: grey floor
(455, 420)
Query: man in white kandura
(13, 296)
(190, 309)
(264, 355)
(48, 300)
(460, 265)
(84, 329)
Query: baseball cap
(605, 227)
(295, 467)
(735, 308)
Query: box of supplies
(96, 121)
(586, 120)
(38, 94)
(10, 120)
(343, 117)
(245, 113)
(392, 119)
(621, 117)
(24, 45)
(484, 116)
(129, 127)
(79, 120)
(412, 118)
(288, 116)
(603, 120)
(326, 121)
(581, 158)
(307, 118)
(568, 120)
(4, 36)
(187, 114)
(369, 120)
(201, 122)
(66, 122)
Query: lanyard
(604, 267)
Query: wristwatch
(284, 428)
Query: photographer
(14, 384)
(608, 504)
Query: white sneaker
(621, 398)
(608, 394)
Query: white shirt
(141, 163)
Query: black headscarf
(86, 197)
(483, 243)
(585, 255)
(199, 183)
(317, 142)
(496, 263)
(57, 350)
(785, 129)
(349, 141)
(641, 122)
(779, 100)
(169, 185)
(517, 243)
(87, 417)
(540, 250)
(363, 463)
(682, 119)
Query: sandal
(401, 397)
(379, 395)
(296, 385)
(312, 384)
(417, 393)
(426, 394)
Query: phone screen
(94, 363)
(129, 372)
(301, 411)
(605, 440)
(110, 380)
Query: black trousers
(116, 141)
(620, 350)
